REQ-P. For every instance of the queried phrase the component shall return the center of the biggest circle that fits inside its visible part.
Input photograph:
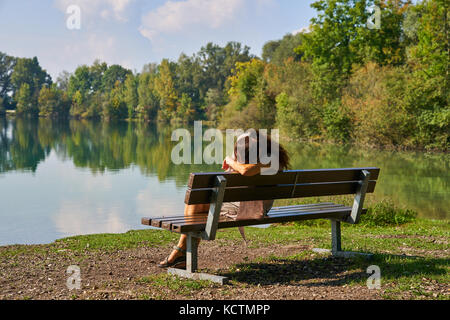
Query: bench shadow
(331, 271)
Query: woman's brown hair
(283, 156)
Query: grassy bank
(412, 254)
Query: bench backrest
(284, 185)
(216, 188)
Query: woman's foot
(176, 259)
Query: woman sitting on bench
(240, 163)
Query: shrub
(336, 122)
(385, 213)
(375, 98)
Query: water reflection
(79, 177)
(98, 146)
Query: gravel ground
(133, 274)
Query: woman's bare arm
(244, 169)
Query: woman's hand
(225, 165)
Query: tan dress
(246, 210)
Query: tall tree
(113, 74)
(165, 87)
(53, 102)
(277, 52)
(24, 98)
(131, 94)
(148, 100)
(340, 39)
(28, 71)
(428, 92)
(62, 82)
(7, 64)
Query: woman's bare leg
(188, 212)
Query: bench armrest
(358, 202)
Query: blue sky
(135, 32)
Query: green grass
(184, 287)
(113, 242)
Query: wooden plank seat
(217, 188)
(182, 224)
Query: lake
(64, 178)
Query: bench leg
(192, 254)
(192, 265)
(335, 237)
(336, 248)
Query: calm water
(60, 179)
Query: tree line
(339, 81)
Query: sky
(133, 33)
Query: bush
(336, 122)
(386, 213)
(382, 214)
(375, 98)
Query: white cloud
(106, 9)
(105, 48)
(302, 30)
(175, 16)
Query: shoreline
(351, 144)
(413, 258)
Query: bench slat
(272, 214)
(337, 213)
(168, 224)
(201, 196)
(157, 221)
(206, 180)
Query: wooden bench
(217, 188)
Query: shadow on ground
(330, 271)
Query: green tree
(244, 82)
(97, 74)
(7, 64)
(428, 89)
(80, 88)
(185, 109)
(81, 81)
(131, 94)
(114, 106)
(77, 109)
(111, 76)
(213, 104)
(189, 79)
(53, 102)
(340, 39)
(148, 100)
(291, 84)
(28, 71)
(278, 51)
(165, 88)
(25, 101)
(62, 81)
